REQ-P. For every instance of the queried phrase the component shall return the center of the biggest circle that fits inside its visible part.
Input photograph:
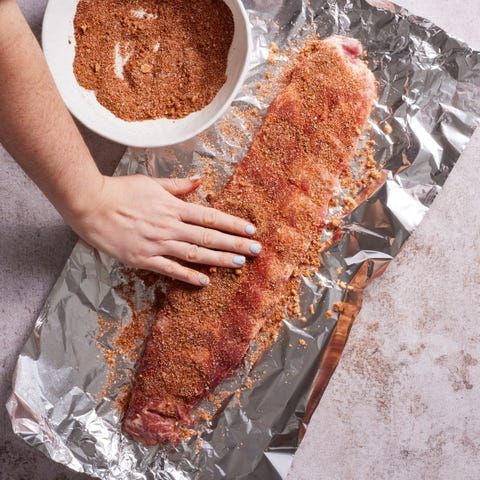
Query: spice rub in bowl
(150, 59)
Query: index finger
(215, 219)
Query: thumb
(179, 186)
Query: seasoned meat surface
(283, 186)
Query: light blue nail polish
(250, 230)
(239, 260)
(204, 281)
(256, 248)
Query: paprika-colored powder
(149, 59)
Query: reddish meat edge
(283, 185)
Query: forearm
(35, 126)
(136, 219)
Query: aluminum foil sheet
(430, 95)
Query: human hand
(140, 221)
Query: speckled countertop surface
(403, 403)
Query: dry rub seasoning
(148, 59)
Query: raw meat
(283, 186)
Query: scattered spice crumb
(248, 383)
(185, 433)
(334, 223)
(349, 202)
(339, 307)
(387, 128)
(204, 415)
(123, 399)
(333, 202)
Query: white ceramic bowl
(59, 47)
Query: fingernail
(204, 280)
(250, 230)
(195, 177)
(256, 248)
(239, 260)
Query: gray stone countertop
(403, 403)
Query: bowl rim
(182, 138)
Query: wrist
(82, 199)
